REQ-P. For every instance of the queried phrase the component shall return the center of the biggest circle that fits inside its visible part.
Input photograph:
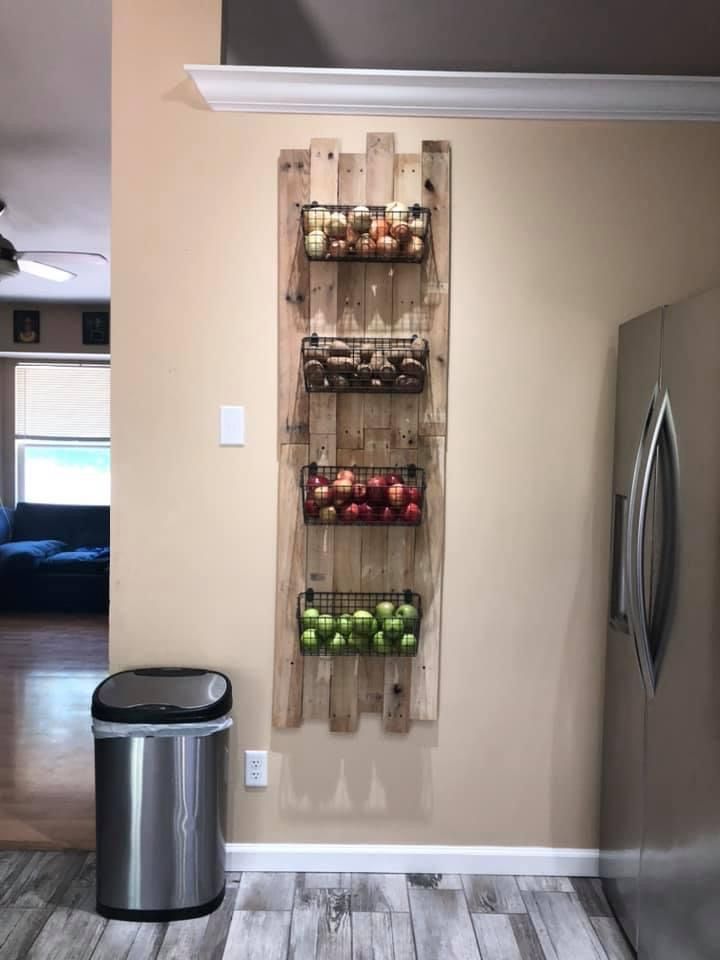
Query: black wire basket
(364, 364)
(363, 496)
(369, 624)
(392, 233)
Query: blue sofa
(54, 558)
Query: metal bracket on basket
(408, 595)
(309, 595)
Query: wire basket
(364, 364)
(369, 624)
(363, 496)
(392, 233)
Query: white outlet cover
(232, 426)
(256, 768)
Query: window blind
(62, 400)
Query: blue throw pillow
(26, 554)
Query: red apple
(376, 490)
(385, 515)
(397, 495)
(412, 513)
(323, 496)
(365, 513)
(414, 495)
(317, 480)
(392, 478)
(359, 492)
(311, 508)
(345, 474)
(328, 515)
(350, 513)
(342, 490)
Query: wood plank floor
(49, 667)
(47, 911)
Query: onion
(336, 225)
(359, 219)
(315, 219)
(415, 247)
(365, 245)
(401, 231)
(387, 246)
(396, 212)
(316, 244)
(379, 228)
(338, 248)
(417, 227)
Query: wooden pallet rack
(346, 299)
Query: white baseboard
(399, 858)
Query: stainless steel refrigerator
(660, 819)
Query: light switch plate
(232, 426)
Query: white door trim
(442, 93)
(399, 858)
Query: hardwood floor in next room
(47, 911)
(49, 667)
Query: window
(62, 432)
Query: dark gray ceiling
(556, 36)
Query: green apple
(384, 610)
(310, 617)
(325, 626)
(309, 639)
(345, 624)
(410, 616)
(364, 623)
(338, 642)
(359, 643)
(393, 628)
(408, 644)
(380, 643)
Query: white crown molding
(399, 858)
(439, 93)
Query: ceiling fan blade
(43, 270)
(91, 259)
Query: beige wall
(560, 231)
(60, 328)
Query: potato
(316, 353)
(376, 361)
(364, 371)
(340, 365)
(387, 371)
(339, 382)
(338, 348)
(314, 371)
(407, 384)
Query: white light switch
(232, 426)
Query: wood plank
(116, 940)
(371, 685)
(316, 688)
(592, 897)
(436, 285)
(183, 940)
(293, 291)
(288, 662)
(321, 926)
(344, 695)
(266, 891)
(429, 553)
(218, 926)
(442, 925)
(327, 881)
(19, 927)
(403, 942)
(610, 936)
(435, 881)
(67, 935)
(148, 942)
(322, 450)
(546, 884)
(487, 894)
(563, 929)
(258, 935)
(496, 937)
(379, 893)
(372, 936)
(351, 302)
(43, 879)
(396, 700)
(526, 937)
(80, 894)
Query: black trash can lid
(163, 695)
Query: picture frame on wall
(96, 328)
(26, 326)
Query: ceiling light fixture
(44, 271)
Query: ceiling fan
(13, 262)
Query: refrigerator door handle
(632, 539)
(662, 424)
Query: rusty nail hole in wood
(331, 155)
(429, 185)
(397, 689)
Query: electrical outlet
(256, 768)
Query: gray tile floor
(47, 901)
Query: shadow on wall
(569, 699)
(356, 777)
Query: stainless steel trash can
(161, 759)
